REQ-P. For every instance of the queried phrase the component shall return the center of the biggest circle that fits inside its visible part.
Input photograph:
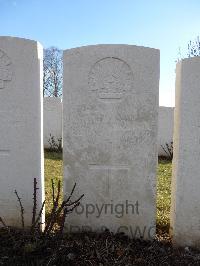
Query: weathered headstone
(185, 206)
(21, 145)
(110, 137)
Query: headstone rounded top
(110, 46)
(9, 42)
(190, 59)
(11, 38)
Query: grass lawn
(54, 168)
(164, 173)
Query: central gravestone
(110, 113)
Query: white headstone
(21, 145)
(165, 129)
(110, 137)
(52, 122)
(185, 208)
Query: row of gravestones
(110, 121)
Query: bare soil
(21, 248)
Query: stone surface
(165, 128)
(21, 145)
(52, 120)
(185, 208)
(53, 123)
(110, 120)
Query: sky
(166, 25)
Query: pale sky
(165, 25)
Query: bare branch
(21, 207)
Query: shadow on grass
(164, 160)
(51, 155)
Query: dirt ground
(20, 248)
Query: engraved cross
(108, 169)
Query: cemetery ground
(17, 248)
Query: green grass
(54, 168)
(164, 173)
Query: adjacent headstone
(185, 208)
(21, 128)
(165, 130)
(52, 122)
(110, 137)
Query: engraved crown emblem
(5, 69)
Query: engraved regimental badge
(110, 78)
(5, 69)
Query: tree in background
(53, 72)
(194, 48)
